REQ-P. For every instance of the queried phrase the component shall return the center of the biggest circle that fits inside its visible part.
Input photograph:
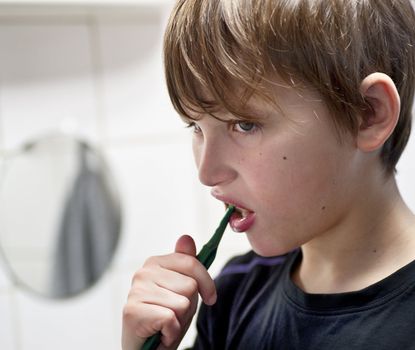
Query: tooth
(244, 213)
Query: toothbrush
(206, 256)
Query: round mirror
(59, 215)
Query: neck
(373, 241)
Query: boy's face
(290, 170)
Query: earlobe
(380, 119)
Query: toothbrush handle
(152, 342)
(206, 256)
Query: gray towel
(89, 231)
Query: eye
(245, 127)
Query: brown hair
(330, 45)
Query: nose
(213, 161)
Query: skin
(307, 188)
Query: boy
(300, 110)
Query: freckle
(323, 208)
(285, 158)
(375, 251)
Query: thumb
(186, 245)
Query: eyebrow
(226, 119)
(250, 111)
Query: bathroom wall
(100, 76)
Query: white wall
(105, 75)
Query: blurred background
(82, 94)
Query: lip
(242, 224)
(236, 222)
(229, 201)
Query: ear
(380, 120)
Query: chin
(269, 249)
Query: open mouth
(242, 219)
(242, 212)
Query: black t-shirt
(259, 307)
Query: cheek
(295, 180)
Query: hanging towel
(89, 229)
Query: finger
(170, 329)
(153, 318)
(175, 282)
(186, 245)
(189, 266)
(148, 277)
(185, 262)
(156, 295)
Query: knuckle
(193, 264)
(189, 262)
(137, 292)
(169, 317)
(129, 313)
(183, 305)
(152, 260)
(191, 287)
(140, 275)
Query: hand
(164, 297)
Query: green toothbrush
(206, 256)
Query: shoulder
(240, 281)
(253, 263)
(251, 270)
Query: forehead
(281, 98)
